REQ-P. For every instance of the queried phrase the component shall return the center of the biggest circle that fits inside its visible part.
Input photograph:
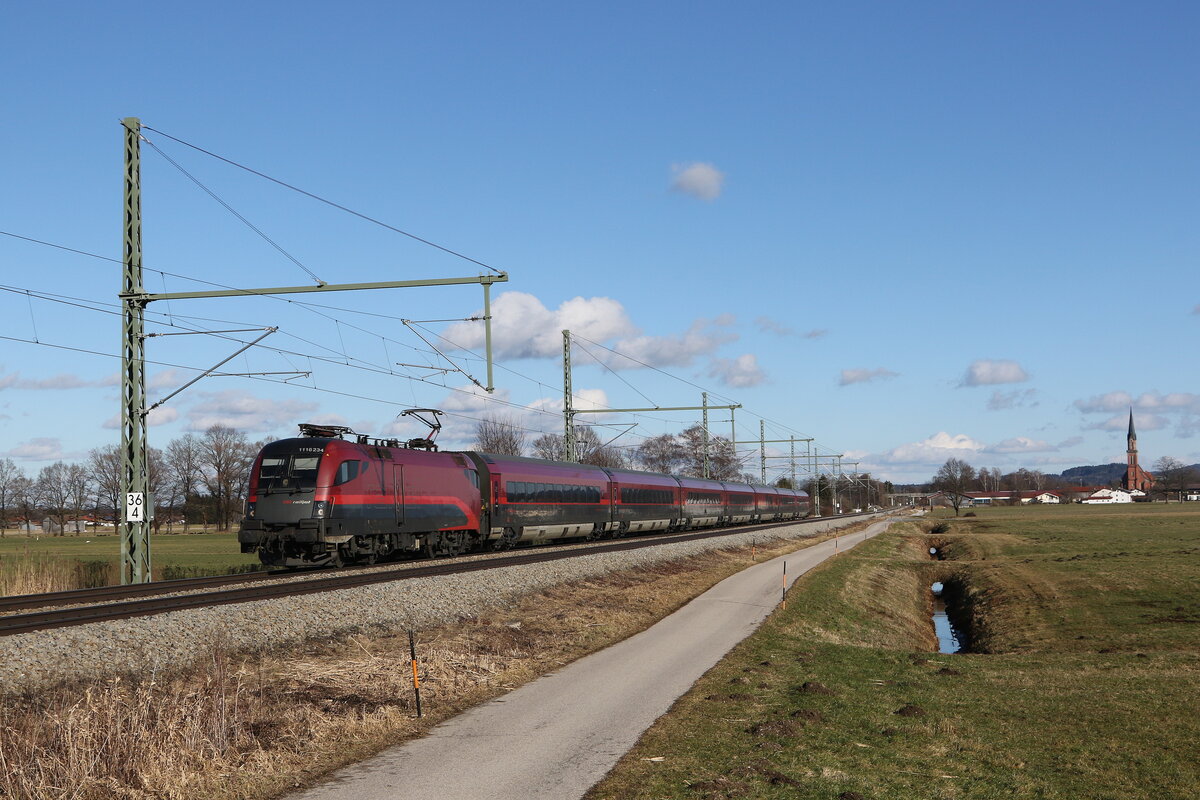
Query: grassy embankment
(32, 563)
(1087, 620)
(253, 726)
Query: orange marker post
(783, 596)
(412, 653)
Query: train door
(398, 492)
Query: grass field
(1089, 623)
(32, 563)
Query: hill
(1094, 475)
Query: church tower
(1135, 476)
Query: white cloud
(1152, 411)
(917, 461)
(850, 376)
(583, 400)
(1120, 422)
(1018, 398)
(469, 398)
(1021, 444)
(245, 412)
(699, 179)
(983, 372)
(816, 333)
(166, 379)
(1110, 402)
(1175, 401)
(1172, 402)
(934, 450)
(38, 449)
(63, 380)
(522, 327)
(702, 338)
(738, 372)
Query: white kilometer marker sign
(135, 507)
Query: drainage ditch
(950, 638)
(949, 599)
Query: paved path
(555, 737)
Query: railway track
(124, 602)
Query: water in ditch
(948, 638)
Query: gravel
(165, 643)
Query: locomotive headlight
(250, 510)
(321, 508)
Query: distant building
(1112, 496)
(1135, 476)
(1025, 497)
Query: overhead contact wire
(234, 211)
(320, 199)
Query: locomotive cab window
(271, 469)
(288, 473)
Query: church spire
(1132, 432)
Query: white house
(1109, 496)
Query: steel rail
(17, 602)
(14, 624)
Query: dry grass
(36, 574)
(258, 726)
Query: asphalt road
(554, 738)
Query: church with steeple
(1135, 476)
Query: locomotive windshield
(287, 473)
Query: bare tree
(722, 458)
(157, 480)
(499, 435)
(24, 494)
(10, 477)
(79, 491)
(104, 466)
(548, 446)
(54, 494)
(661, 453)
(597, 453)
(954, 478)
(587, 445)
(225, 457)
(1172, 475)
(184, 466)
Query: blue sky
(911, 231)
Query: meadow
(1085, 625)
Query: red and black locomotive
(325, 499)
